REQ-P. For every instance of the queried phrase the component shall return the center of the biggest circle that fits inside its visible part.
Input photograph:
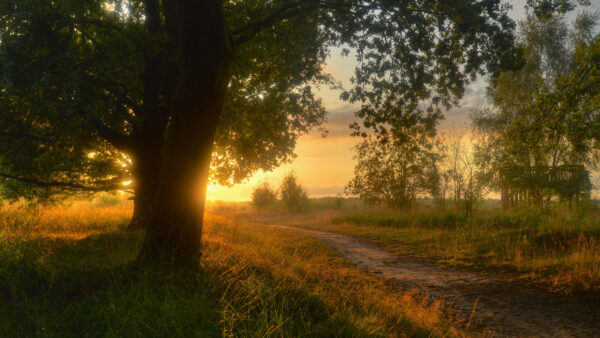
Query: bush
(293, 195)
(107, 200)
(263, 196)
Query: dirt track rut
(503, 307)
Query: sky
(325, 165)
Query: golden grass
(67, 271)
(560, 249)
(376, 308)
(76, 221)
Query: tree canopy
(168, 94)
(394, 172)
(73, 98)
(71, 77)
(525, 125)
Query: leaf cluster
(74, 107)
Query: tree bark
(203, 55)
(141, 212)
(145, 189)
(146, 164)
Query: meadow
(69, 271)
(556, 248)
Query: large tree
(530, 121)
(167, 93)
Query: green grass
(558, 248)
(448, 220)
(69, 272)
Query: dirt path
(502, 308)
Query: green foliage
(576, 98)
(393, 171)
(537, 118)
(546, 9)
(101, 77)
(293, 195)
(403, 63)
(263, 196)
(72, 84)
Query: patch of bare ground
(492, 304)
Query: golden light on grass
(253, 282)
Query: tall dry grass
(68, 271)
(560, 248)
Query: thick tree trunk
(145, 189)
(203, 54)
(146, 165)
(142, 212)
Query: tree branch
(25, 136)
(285, 12)
(110, 185)
(118, 140)
(122, 142)
(293, 9)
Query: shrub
(107, 200)
(263, 196)
(293, 195)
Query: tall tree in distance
(169, 93)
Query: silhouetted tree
(263, 195)
(293, 194)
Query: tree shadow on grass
(91, 286)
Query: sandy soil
(500, 306)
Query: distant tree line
(293, 195)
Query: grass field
(558, 248)
(68, 271)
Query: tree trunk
(146, 165)
(203, 55)
(142, 212)
(145, 189)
